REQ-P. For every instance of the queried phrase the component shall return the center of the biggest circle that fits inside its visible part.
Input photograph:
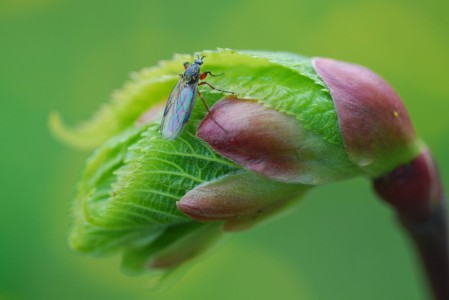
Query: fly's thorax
(192, 74)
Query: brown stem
(415, 192)
(430, 237)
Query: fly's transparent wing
(178, 109)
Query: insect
(182, 99)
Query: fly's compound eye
(199, 62)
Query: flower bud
(292, 124)
(272, 143)
(241, 199)
(374, 123)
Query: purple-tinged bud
(263, 140)
(272, 143)
(374, 123)
(241, 199)
(298, 123)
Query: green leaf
(127, 192)
(284, 81)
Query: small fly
(180, 103)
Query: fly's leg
(204, 75)
(186, 65)
(204, 102)
(214, 88)
(208, 111)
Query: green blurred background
(340, 243)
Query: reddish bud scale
(241, 199)
(271, 149)
(273, 144)
(374, 123)
(412, 188)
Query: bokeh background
(340, 242)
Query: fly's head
(199, 60)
